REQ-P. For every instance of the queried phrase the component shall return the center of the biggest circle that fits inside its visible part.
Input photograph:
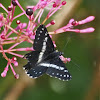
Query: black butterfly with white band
(45, 59)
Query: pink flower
(25, 32)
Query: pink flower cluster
(26, 31)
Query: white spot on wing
(57, 73)
(46, 39)
(46, 34)
(65, 70)
(67, 75)
(60, 75)
(31, 76)
(24, 68)
(28, 74)
(42, 28)
(40, 31)
(38, 34)
(64, 75)
(34, 77)
(61, 68)
(52, 73)
(40, 72)
(36, 73)
(59, 78)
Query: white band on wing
(52, 66)
(43, 50)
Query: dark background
(83, 49)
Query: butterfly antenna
(76, 65)
(67, 42)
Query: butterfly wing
(43, 43)
(27, 67)
(32, 57)
(39, 61)
(32, 68)
(57, 69)
(37, 71)
(42, 40)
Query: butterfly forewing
(43, 41)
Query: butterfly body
(45, 59)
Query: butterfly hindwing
(27, 66)
(37, 71)
(60, 74)
(57, 69)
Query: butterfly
(45, 59)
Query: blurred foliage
(83, 49)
